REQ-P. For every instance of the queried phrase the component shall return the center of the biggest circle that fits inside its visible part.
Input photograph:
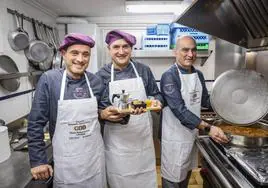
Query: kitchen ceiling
(82, 7)
(90, 8)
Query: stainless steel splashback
(242, 22)
(228, 56)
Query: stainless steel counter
(15, 172)
(219, 168)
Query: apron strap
(135, 70)
(112, 71)
(89, 88)
(63, 83)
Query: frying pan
(46, 64)
(7, 65)
(18, 39)
(38, 50)
(57, 55)
(57, 40)
(244, 140)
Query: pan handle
(263, 122)
(217, 122)
(35, 29)
(19, 74)
(229, 136)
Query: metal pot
(245, 141)
(37, 50)
(7, 65)
(18, 39)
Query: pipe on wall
(70, 20)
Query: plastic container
(162, 29)
(4, 144)
(176, 30)
(151, 30)
(155, 42)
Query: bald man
(184, 90)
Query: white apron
(78, 149)
(179, 153)
(129, 149)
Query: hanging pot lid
(7, 65)
(240, 96)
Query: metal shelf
(162, 53)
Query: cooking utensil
(7, 76)
(38, 50)
(7, 65)
(243, 140)
(240, 96)
(46, 64)
(18, 39)
(56, 64)
(123, 103)
(57, 40)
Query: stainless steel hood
(242, 22)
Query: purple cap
(76, 38)
(116, 35)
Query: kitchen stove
(254, 161)
(232, 167)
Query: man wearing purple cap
(129, 149)
(67, 99)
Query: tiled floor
(196, 180)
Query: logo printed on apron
(79, 93)
(195, 97)
(79, 130)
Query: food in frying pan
(251, 131)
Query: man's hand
(111, 113)
(42, 172)
(218, 135)
(138, 111)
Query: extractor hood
(242, 22)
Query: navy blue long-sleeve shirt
(145, 73)
(170, 85)
(45, 105)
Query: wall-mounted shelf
(162, 53)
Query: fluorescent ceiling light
(154, 6)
